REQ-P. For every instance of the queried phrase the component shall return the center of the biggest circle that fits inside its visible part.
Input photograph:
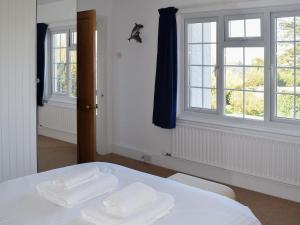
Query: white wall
(58, 119)
(134, 68)
(17, 88)
(54, 12)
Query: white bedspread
(21, 205)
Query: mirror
(56, 88)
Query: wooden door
(86, 86)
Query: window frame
(246, 16)
(269, 124)
(186, 68)
(244, 42)
(273, 62)
(56, 95)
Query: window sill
(273, 130)
(63, 102)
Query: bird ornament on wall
(136, 32)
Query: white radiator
(249, 154)
(58, 121)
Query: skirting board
(258, 184)
(59, 135)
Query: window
(243, 71)
(287, 67)
(244, 28)
(202, 58)
(244, 67)
(244, 82)
(64, 62)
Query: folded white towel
(145, 216)
(69, 198)
(130, 199)
(77, 177)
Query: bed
(21, 205)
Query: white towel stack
(136, 204)
(76, 187)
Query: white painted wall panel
(17, 88)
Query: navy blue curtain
(41, 36)
(165, 96)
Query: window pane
(297, 107)
(63, 55)
(288, 61)
(57, 55)
(285, 54)
(209, 54)
(56, 40)
(285, 29)
(234, 56)
(298, 81)
(254, 56)
(254, 105)
(63, 40)
(73, 56)
(285, 106)
(196, 97)
(201, 64)
(195, 54)
(210, 32)
(246, 81)
(60, 78)
(74, 38)
(234, 77)
(196, 76)
(73, 71)
(236, 28)
(234, 103)
(195, 33)
(60, 86)
(60, 71)
(210, 98)
(285, 80)
(253, 28)
(254, 78)
(210, 79)
(74, 88)
(298, 54)
(298, 28)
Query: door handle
(90, 107)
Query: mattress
(21, 205)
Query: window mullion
(244, 83)
(68, 66)
(220, 63)
(295, 63)
(202, 67)
(268, 71)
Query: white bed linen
(21, 205)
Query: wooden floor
(269, 210)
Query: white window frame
(244, 17)
(243, 42)
(186, 78)
(274, 117)
(60, 97)
(269, 124)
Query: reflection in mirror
(57, 87)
